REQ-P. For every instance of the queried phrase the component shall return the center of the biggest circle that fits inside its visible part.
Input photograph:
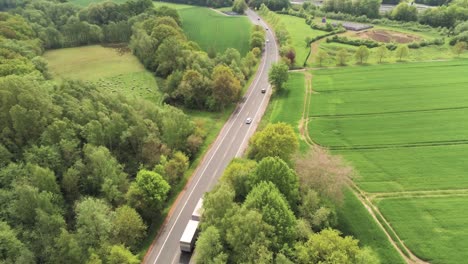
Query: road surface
(230, 143)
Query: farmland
(406, 137)
(298, 31)
(109, 68)
(215, 32)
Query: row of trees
(369, 8)
(83, 172)
(264, 211)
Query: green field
(87, 2)
(435, 227)
(213, 31)
(298, 31)
(404, 127)
(106, 67)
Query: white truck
(187, 241)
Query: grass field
(298, 31)
(87, 2)
(404, 127)
(213, 31)
(433, 227)
(106, 67)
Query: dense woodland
(278, 208)
(83, 171)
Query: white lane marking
(175, 257)
(209, 161)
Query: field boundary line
(417, 194)
(375, 213)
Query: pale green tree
(128, 227)
(119, 255)
(278, 75)
(342, 57)
(402, 52)
(322, 57)
(362, 54)
(209, 247)
(276, 140)
(382, 52)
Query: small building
(356, 26)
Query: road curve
(231, 142)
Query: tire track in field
(409, 257)
(389, 112)
(417, 194)
(403, 145)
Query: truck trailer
(187, 241)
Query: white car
(248, 120)
(267, 40)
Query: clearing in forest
(404, 128)
(114, 69)
(213, 31)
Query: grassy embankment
(404, 128)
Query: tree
(209, 247)
(342, 57)
(93, 222)
(405, 12)
(322, 172)
(105, 174)
(459, 48)
(276, 140)
(382, 52)
(238, 176)
(129, 228)
(402, 52)
(322, 57)
(67, 249)
(148, 192)
(216, 204)
(277, 171)
(267, 199)
(175, 168)
(278, 75)
(239, 6)
(247, 234)
(226, 87)
(194, 88)
(362, 53)
(329, 247)
(13, 250)
(120, 255)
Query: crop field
(434, 227)
(298, 31)
(404, 128)
(214, 31)
(85, 3)
(108, 68)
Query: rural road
(230, 143)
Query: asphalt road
(230, 143)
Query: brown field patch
(388, 36)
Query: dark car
(263, 90)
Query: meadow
(108, 68)
(298, 31)
(215, 32)
(403, 127)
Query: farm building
(354, 26)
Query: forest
(83, 171)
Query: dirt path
(363, 197)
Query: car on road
(248, 120)
(263, 90)
(267, 40)
(266, 28)
(258, 19)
